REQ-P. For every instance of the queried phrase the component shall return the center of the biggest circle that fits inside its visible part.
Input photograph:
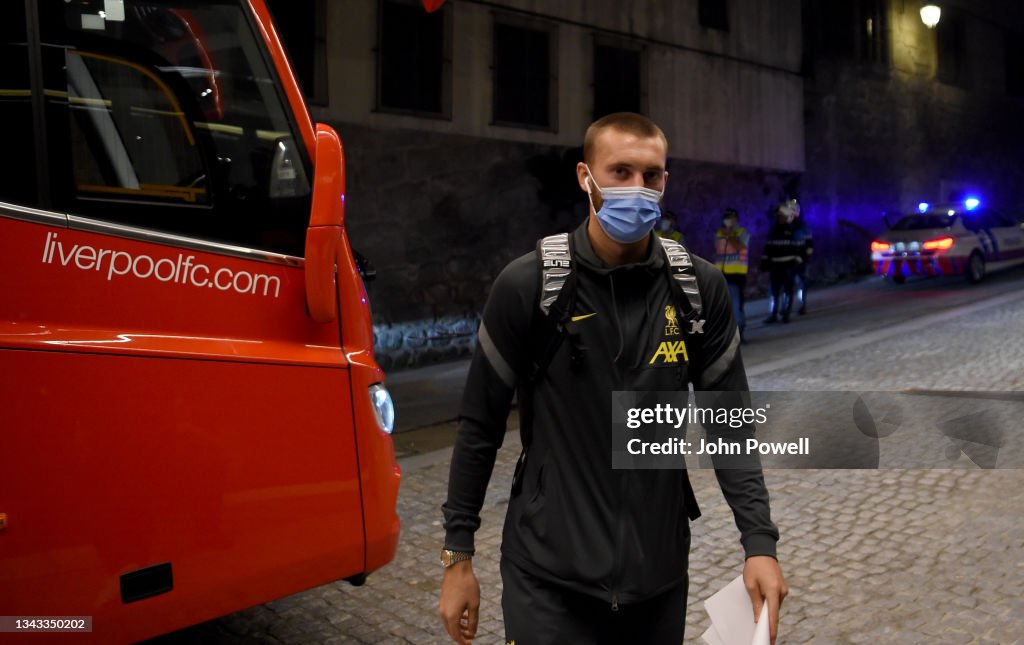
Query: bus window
(167, 116)
(18, 180)
(137, 143)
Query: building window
(873, 36)
(414, 59)
(951, 41)
(714, 14)
(617, 80)
(1015, 64)
(524, 79)
(302, 25)
(857, 30)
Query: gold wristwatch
(449, 557)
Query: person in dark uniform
(782, 256)
(591, 554)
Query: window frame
(317, 92)
(958, 73)
(445, 114)
(1013, 63)
(523, 23)
(705, 13)
(601, 40)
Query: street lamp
(930, 15)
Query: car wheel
(975, 268)
(899, 279)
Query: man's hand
(763, 579)
(460, 602)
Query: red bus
(191, 417)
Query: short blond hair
(628, 122)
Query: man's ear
(582, 175)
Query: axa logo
(670, 351)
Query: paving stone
(872, 556)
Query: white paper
(732, 618)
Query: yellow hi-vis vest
(731, 250)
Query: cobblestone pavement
(879, 556)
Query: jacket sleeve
(721, 371)
(493, 370)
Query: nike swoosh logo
(583, 317)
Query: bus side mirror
(325, 225)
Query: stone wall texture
(883, 140)
(440, 207)
(440, 215)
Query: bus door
(177, 431)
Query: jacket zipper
(619, 541)
(619, 523)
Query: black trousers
(538, 612)
(782, 282)
(800, 285)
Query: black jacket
(621, 535)
(785, 247)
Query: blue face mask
(629, 213)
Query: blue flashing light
(971, 203)
(922, 207)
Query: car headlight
(383, 407)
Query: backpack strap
(683, 284)
(552, 320)
(550, 323)
(683, 277)
(556, 267)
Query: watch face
(446, 558)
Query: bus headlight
(383, 407)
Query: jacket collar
(588, 258)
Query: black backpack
(552, 321)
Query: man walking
(731, 242)
(591, 554)
(782, 257)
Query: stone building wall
(441, 206)
(885, 136)
(440, 215)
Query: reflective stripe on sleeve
(494, 357)
(715, 371)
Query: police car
(949, 239)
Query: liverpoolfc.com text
(666, 415)
(180, 270)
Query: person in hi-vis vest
(731, 242)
